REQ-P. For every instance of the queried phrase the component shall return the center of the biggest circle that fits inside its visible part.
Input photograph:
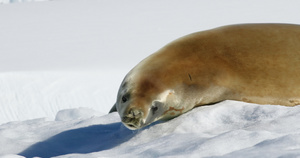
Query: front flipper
(113, 109)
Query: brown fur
(256, 63)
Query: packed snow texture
(62, 63)
(227, 129)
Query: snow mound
(11, 156)
(73, 114)
(227, 129)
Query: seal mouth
(132, 123)
(132, 126)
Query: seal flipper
(113, 109)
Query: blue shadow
(83, 140)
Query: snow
(227, 129)
(29, 95)
(18, 1)
(62, 62)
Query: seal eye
(124, 99)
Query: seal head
(136, 104)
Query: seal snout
(133, 119)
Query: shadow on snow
(83, 140)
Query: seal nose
(133, 118)
(132, 114)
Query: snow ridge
(227, 129)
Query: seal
(255, 63)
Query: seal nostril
(134, 113)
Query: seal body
(256, 63)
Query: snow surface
(18, 1)
(62, 62)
